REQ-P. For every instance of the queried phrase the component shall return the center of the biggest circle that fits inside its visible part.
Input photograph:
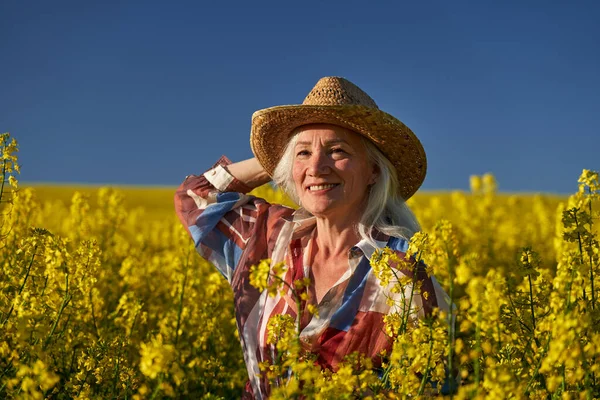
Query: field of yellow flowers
(103, 296)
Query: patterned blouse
(235, 231)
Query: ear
(374, 175)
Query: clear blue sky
(148, 92)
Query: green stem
(569, 285)
(531, 303)
(450, 326)
(406, 313)
(116, 375)
(135, 317)
(73, 357)
(477, 361)
(22, 285)
(83, 383)
(593, 375)
(580, 251)
(94, 315)
(181, 297)
(157, 388)
(499, 335)
(539, 364)
(3, 177)
(45, 286)
(592, 283)
(522, 324)
(8, 368)
(64, 304)
(426, 374)
(586, 368)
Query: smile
(322, 187)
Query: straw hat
(338, 101)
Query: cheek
(297, 175)
(355, 175)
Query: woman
(350, 166)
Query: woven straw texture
(338, 101)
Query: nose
(318, 164)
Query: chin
(316, 211)
(321, 211)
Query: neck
(335, 237)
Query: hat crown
(337, 91)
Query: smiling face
(331, 171)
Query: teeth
(322, 187)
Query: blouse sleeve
(221, 218)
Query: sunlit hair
(385, 210)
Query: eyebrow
(327, 143)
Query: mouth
(317, 188)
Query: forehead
(325, 133)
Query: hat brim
(272, 128)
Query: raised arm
(250, 172)
(221, 218)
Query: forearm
(197, 192)
(250, 172)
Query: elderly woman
(350, 166)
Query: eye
(302, 153)
(337, 150)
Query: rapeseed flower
(101, 296)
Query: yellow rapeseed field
(103, 296)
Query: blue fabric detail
(218, 243)
(197, 234)
(226, 197)
(343, 318)
(207, 221)
(227, 253)
(232, 253)
(399, 244)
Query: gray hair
(385, 210)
